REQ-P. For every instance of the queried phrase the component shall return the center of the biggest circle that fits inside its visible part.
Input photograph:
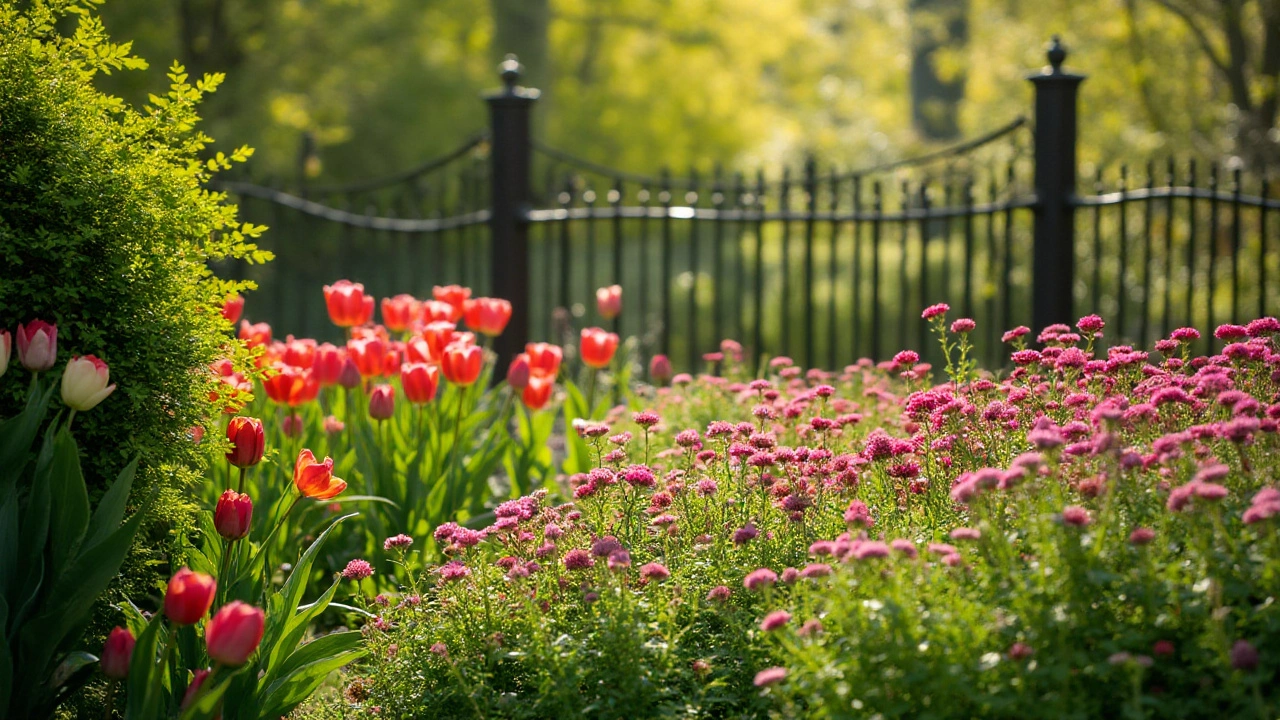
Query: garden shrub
(106, 229)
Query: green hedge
(107, 230)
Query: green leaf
(110, 510)
(6, 660)
(207, 704)
(18, 432)
(307, 668)
(9, 537)
(144, 673)
(69, 517)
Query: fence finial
(1057, 53)
(509, 69)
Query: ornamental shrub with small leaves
(106, 230)
(1090, 534)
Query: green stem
(455, 466)
(253, 561)
(70, 419)
(241, 485)
(591, 394)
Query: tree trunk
(937, 25)
(520, 27)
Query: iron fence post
(1053, 255)
(509, 198)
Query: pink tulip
(37, 345)
(382, 402)
(233, 633)
(116, 654)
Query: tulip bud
(247, 441)
(609, 301)
(233, 515)
(382, 402)
(462, 363)
(189, 596)
(6, 348)
(193, 689)
(327, 364)
(349, 378)
(292, 426)
(116, 654)
(233, 634)
(37, 345)
(84, 383)
(333, 426)
(660, 369)
(232, 308)
(1244, 656)
(518, 373)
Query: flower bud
(6, 349)
(37, 345)
(84, 383)
(609, 301)
(233, 515)
(233, 634)
(193, 689)
(349, 377)
(382, 402)
(247, 441)
(518, 372)
(232, 308)
(116, 654)
(189, 596)
(660, 369)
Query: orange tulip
(461, 363)
(437, 311)
(315, 479)
(290, 385)
(609, 301)
(544, 358)
(419, 381)
(538, 391)
(455, 295)
(399, 312)
(597, 347)
(255, 335)
(487, 316)
(348, 305)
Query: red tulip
(327, 364)
(455, 295)
(518, 373)
(544, 358)
(419, 381)
(234, 632)
(438, 311)
(37, 345)
(348, 305)
(538, 391)
(116, 654)
(391, 359)
(487, 316)
(189, 596)
(399, 312)
(299, 353)
(232, 308)
(291, 386)
(255, 335)
(193, 688)
(382, 402)
(438, 335)
(416, 350)
(597, 347)
(233, 515)
(660, 369)
(369, 355)
(461, 363)
(609, 301)
(246, 438)
(315, 479)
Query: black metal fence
(823, 265)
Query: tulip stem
(591, 394)
(457, 454)
(242, 473)
(224, 574)
(70, 419)
(253, 561)
(111, 699)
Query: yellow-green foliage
(106, 229)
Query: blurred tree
(939, 33)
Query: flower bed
(1089, 535)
